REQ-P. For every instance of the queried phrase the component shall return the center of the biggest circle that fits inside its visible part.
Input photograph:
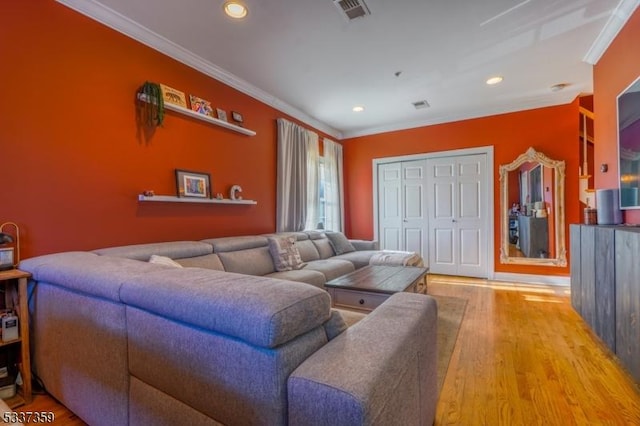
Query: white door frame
(487, 150)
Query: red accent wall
(72, 158)
(616, 69)
(552, 130)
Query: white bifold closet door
(402, 217)
(457, 215)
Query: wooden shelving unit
(202, 117)
(24, 392)
(173, 199)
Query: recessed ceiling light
(494, 80)
(235, 9)
(358, 108)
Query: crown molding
(616, 21)
(118, 22)
(470, 114)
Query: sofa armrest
(365, 244)
(382, 370)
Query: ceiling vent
(421, 104)
(352, 9)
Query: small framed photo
(200, 105)
(222, 114)
(173, 96)
(237, 117)
(193, 184)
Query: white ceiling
(304, 58)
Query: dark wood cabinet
(627, 247)
(605, 287)
(534, 236)
(575, 266)
(588, 275)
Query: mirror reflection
(531, 217)
(629, 145)
(532, 207)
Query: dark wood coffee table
(366, 288)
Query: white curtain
(334, 187)
(297, 177)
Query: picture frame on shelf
(237, 117)
(222, 114)
(173, 96)
(193, 184)
(201, 106)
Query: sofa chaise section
(330, 389)
(79, 334)
(221, 343)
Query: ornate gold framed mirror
(532, 211)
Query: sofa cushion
(256, 261)
(284, 253)
(339, 243)
(164, 260)
(308, 250)
(227, 244)
(331, 268)
(87, 273)
(335, 325)
(315, 235)
(359, 258)
(172, 249)
(307, 276)
(324, 248)
(208, 261)
(262, 311)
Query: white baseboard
(564, 281)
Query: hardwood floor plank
(529, 359)
(523, 357)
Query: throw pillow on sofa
(164, 260)
(285, 254)
(340, 243)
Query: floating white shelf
(202, 117)
(172, 199)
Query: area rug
(450, 313)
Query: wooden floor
(523, 357)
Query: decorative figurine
(233, 192)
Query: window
(324, 207)
(322, 201)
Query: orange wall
(552, 130)
(73, 159)
(615, 70)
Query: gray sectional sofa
(250, 255)
(226, 339)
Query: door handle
(405, 220)
(453, 220)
